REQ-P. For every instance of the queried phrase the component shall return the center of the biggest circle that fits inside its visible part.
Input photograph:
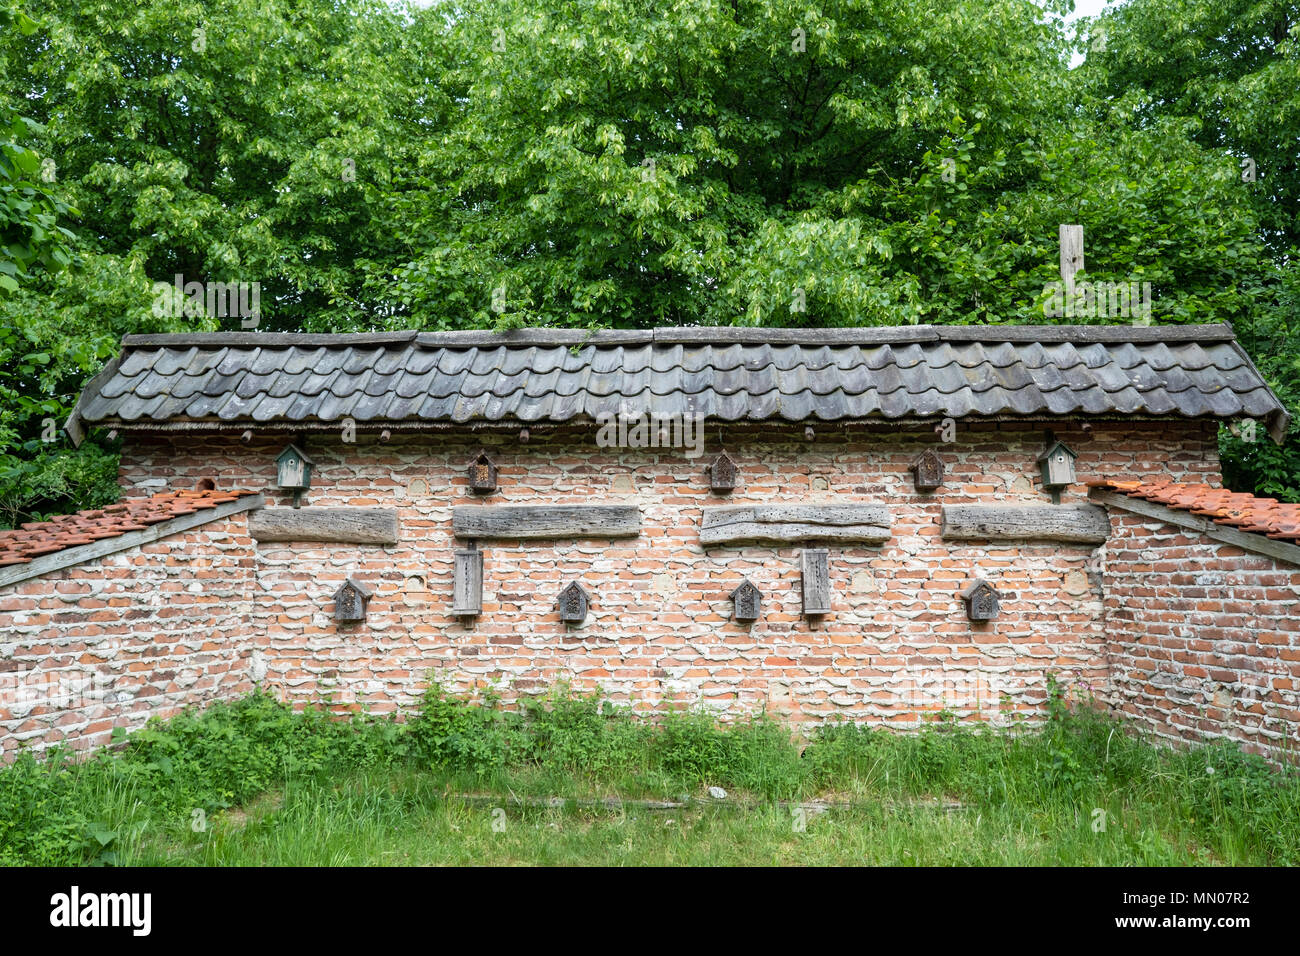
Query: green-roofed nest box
(1057, 466)
(982, 601)
(482, 475)
(574, 601)
(748, 601)
(293, 469)
(350, 601)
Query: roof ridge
(697, 335)
(731, 374)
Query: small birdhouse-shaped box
(482, 475)
(722, 473)
(1057, 466)
(293, 469)
(927, 470)
(574, 601)
(748, 601)
(981, 601)
(350, 601)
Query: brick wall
(1204, 637)
(116, 640)
(196, 613)
(897, 644)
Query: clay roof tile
(36, 538)
(1233, 509)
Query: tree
(596, 163)
(30, 233)
(1230, 66)
(233, 140)
(763, 163)
(1228, 71)
(224, 142)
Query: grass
(371, 819)
(252, 783)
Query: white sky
(1084, 8)
(1087, 8)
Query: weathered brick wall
(197, 616)
(116, 640)
(896, 645)
(1204, 637)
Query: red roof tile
(1265, 516)
(36, 538)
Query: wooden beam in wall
(867, 524)
(546, 521)
(1075, 524)
(343, 525)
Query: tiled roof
(38, 538)
(726, 374)
(1246, 512)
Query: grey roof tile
(267, 362)
(272, 407)
(299, 360)
(140, 360)
(119, 385)
(725, 374)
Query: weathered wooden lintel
(550, 521)
(867, 523)
(343, 525)
(1075, 524)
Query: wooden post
(1071, 261)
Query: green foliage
(235, 140)
(30, 231)
(42, 369)
(53, 482)
(1081, 762)
(1227, 72)
(755, 755)
(562, 734)
(459, 735)
(623, 164)
(54, 811)
(1254, 461)
(582, 735)
(1231, 66)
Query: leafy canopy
(594, 163)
